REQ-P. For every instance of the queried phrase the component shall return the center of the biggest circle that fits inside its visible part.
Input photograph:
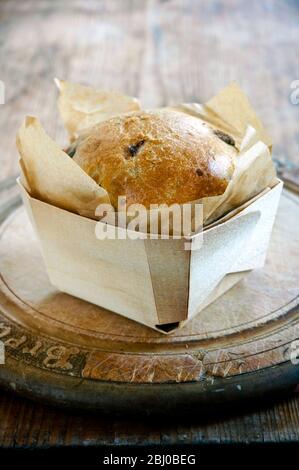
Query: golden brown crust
(156, 157)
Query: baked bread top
(156, 157)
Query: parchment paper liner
(52, 176)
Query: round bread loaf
(156, 157)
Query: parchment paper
(54, 177)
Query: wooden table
(27, 424)
(163, 52)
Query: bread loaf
(156, 157)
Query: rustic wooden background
(163, 51)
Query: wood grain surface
(26, 424)
(60, 348)
(163, 52)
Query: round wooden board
(62, 349)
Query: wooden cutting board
(64, 350)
